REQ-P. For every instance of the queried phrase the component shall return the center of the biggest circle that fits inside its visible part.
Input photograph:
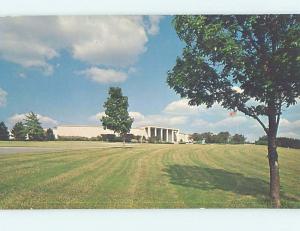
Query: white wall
(83, 131)
(94, 131)
(90, 131)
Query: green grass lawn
(104, 175)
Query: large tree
(238, 139)
(4, 134)
(246, 63)
(222, 137)
(116, 113)
(33, 126)
(19, 131)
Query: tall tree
(19, 131)
(33, 126)
(4, 133)
(116, 113)
(196, 137)
(49, 135)
(246, 63)
(222, 137)
(208, 137)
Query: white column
(167, 135)
(155, 132)
(172, 136)
(149, 132)
(161, 135)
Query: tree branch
(247, 112)
(262, 124)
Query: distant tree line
(281, 142)
(220, 138)
(29, 129)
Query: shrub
(49, 135)
(98, 138)
(262, 141)
(4, 134)
(288, 142)
(72, 138)
(281, 142)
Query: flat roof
(82, 125)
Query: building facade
(162, 134)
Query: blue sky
(62, 67)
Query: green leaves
(50, 135)
(258, 53)
(19, 131)
(4, 134)
(116, 110)
(33, 126)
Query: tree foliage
(246, 63)
(116, 112)
(33, 126)
(223, 137)
(237, 139)
(19, 131)
(49, 135)
(281, 142)
(257, 54)
(263, 140)
(4, 134)
(220, 138)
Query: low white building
(171, 135)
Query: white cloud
(3, 95)
(153, 27)
(238, 124)
(45, 120)
(226, 123)
(144, 120)
(216, 119)
(104, 75)
(289, 128)
(97, 40)
(161, 120)
(97, 117)
(137, 116)
(181, 107)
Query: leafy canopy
(50, 135)
(116, 112)
(4, 134)
(19, 131)
(246, 63)
(33, 127)
(238, 139)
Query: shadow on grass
(205, 178)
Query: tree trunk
(123, 140)
(273, 163)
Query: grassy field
(104, 175)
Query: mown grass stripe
(99, 175)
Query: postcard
(167, 111)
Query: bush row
(281, 142)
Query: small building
(162, 134)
